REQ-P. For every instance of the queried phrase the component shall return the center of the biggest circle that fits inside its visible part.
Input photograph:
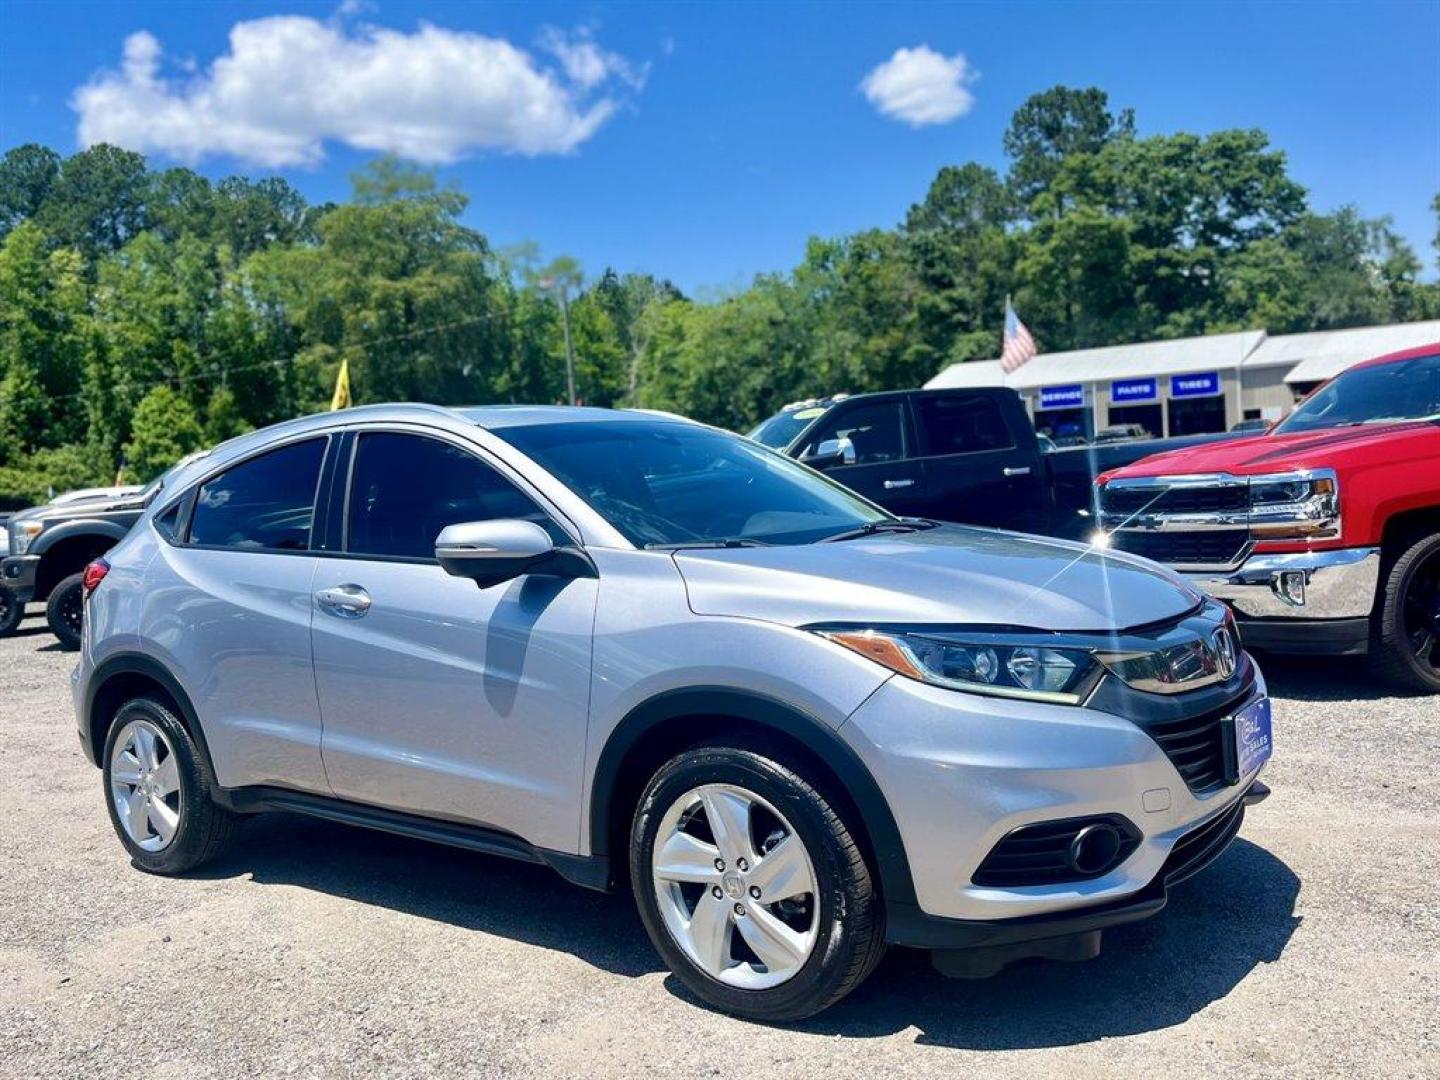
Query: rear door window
(875, 431)
(264, 504)
(404, 489)
(961, 425)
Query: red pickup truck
(1323, 534)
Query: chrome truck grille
(1189, 522)
(1211, 521)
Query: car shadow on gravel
(30, 629)
(1323, 678)
(517, 900)
(1217, 928)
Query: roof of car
(495, 417)
(1403, 354)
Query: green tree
(1056, 125)
(223, 419)
(44, 322)
(1435, 206)
(395, 285)
(98, 203)
(961, 248)
(46, 473)
(27, 175)
(163, 431)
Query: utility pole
(552, 283)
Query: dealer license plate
(1252, 736)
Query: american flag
(1019, 345)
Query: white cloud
(289, 84)
(586, 64)
(919, 86)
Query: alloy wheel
(145, 785)
(72, 611)
(1421, 612)
(736, 887)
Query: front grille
(1174, 500)
(1039, 854)
(1198, 848)
(1201, 747)
(1212, 547)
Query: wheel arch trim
(886, 847)
(131, 663)
(87, 527)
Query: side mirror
(830, 454)
(490, 552)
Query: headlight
(997, 665)
(22, 534)
(1289, 506)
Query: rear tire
(780, 940)
(65, 611)
(11, 611)
(159, 792)
(1405, 632)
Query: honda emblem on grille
(1224, 648)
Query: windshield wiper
(870, 528)
(692, 545)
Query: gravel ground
(1312, 948)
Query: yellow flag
(341, 400)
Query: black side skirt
(590, 871)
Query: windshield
(661, 483)
(154, 485)
(1385, 393)
(784, 427)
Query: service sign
(1125, 391)
(1062, 397)
(1203, 384)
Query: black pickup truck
(967, 455)
(44, 551)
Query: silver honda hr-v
(656, 655)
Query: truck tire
(1405, 632)
(65, 610)
(11, 611)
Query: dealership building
(1186, 386)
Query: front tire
(11, 611)
(1405, 637)
(751, 886)
(65, 611)
(159, 791)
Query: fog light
(1094, 849)
(1289, 586)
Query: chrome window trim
(398, 427)
(192, 493)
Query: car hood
(79, 510)
(1333, 448)
(945, 575)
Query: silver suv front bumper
(1309, 585)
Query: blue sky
(706, 142)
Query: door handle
(344, 601)
(1016, 470)
(891, 485)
